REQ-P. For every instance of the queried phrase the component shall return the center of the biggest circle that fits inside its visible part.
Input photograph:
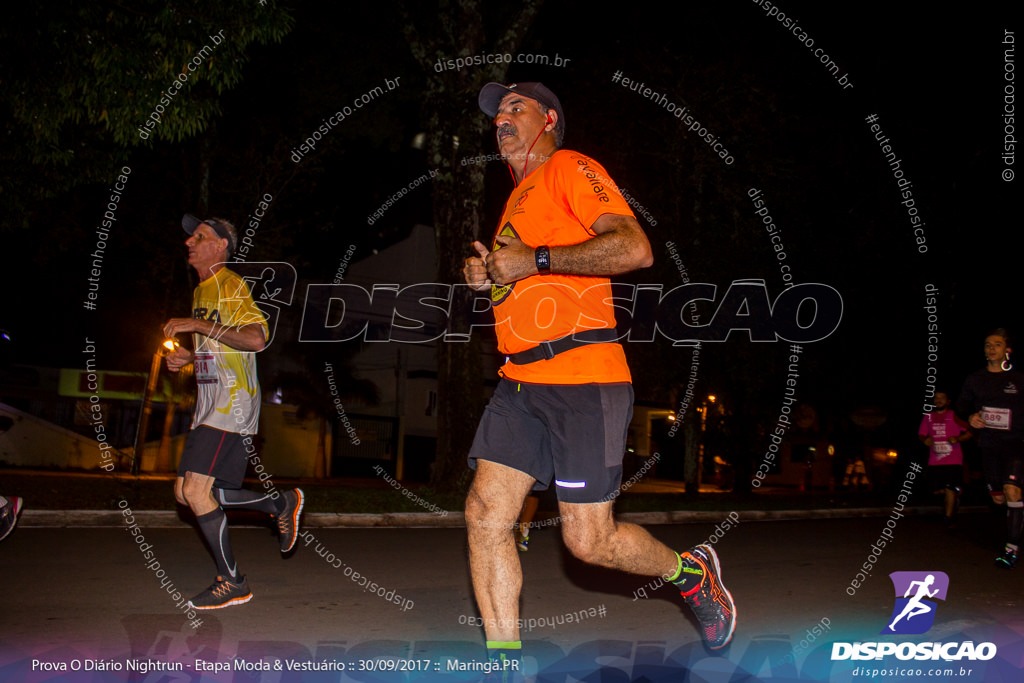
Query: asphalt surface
(86, 595)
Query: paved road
(87, 595)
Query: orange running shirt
(555, 206)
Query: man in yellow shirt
(228, 330)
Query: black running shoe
(288, 519)
(9, 515)
(1008, 559)
(711, 601)
(223, 593)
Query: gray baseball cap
(223, 229)
(491, 94)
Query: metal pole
(147, 409)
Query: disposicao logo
(916, 592)
(913, 614)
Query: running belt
(549, 349)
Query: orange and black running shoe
(288, 519)
(711, 601)
(223, 593)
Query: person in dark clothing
(992, 402)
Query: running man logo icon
(914, 612)
(272, 286)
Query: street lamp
(166, 347)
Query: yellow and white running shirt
(229, 391)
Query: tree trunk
(453, 117)
(457, 199)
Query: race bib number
(996, 418)
(205, 368)
(943, 448)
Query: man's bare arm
(619, 246)
(245, 338)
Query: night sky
(795, 131)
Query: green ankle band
(679, 569)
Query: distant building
(402, 427)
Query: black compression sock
(249, 500)
(1014, 522)
(214, 527)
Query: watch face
(542, 256)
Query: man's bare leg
(592, 534)
(492, 510)
(1012, 493)
(196, 491)
(950, 503)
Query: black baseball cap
(491, 94)
(220, 226)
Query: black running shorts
(1003, 463)
(215, 453)
(572, 434)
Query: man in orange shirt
(562, 409)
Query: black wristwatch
(542, 256)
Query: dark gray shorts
(574, 434)
(215, 453)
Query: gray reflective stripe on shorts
(570, 484)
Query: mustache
(508, 128)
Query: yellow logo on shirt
(500, 292)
